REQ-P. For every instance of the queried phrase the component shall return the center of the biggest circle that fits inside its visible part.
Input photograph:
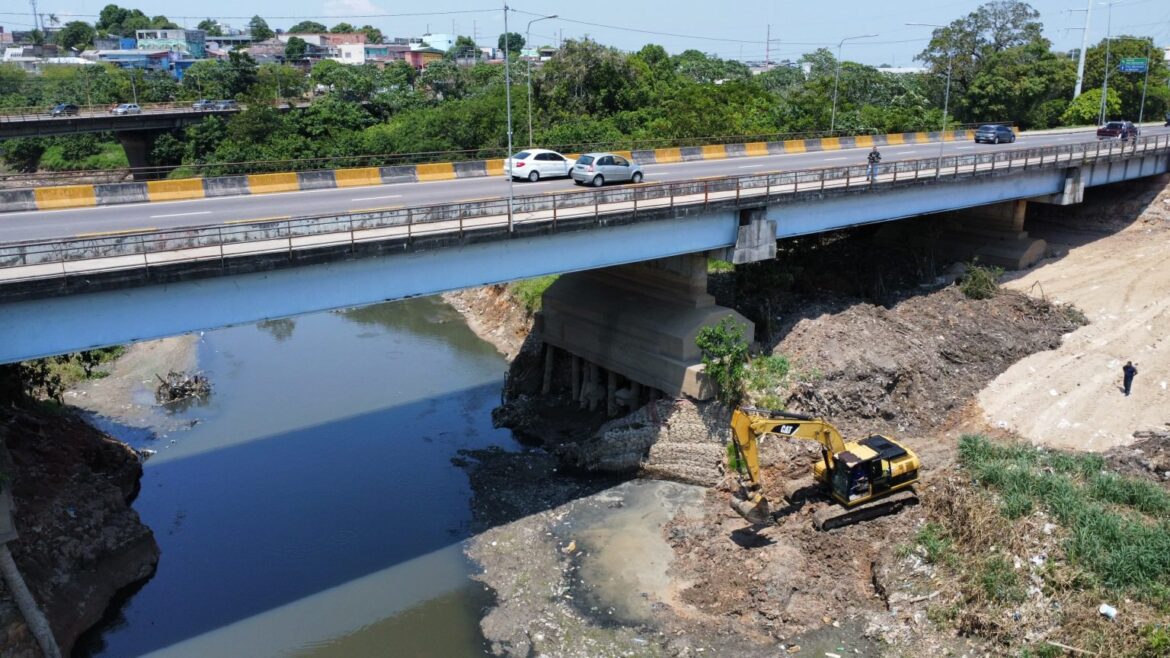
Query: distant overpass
(65, 295)
(98, 118)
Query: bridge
(136, 132)
(636, 295)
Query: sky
(731, 29)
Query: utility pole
(528, 42)
(837, 77)
(768, 47)
(1108, 64)
(1146, 81)
(1084, 47)
(508, 103)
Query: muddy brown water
(312, 509)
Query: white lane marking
(964, 148)
(182, 214)
(834, 159)
(752, 166)
(906, 152)
(375, 198)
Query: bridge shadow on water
(253, 526)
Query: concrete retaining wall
(77, 196)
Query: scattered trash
(180, 386)
(570, 548)
(1108, 611)
(832, 655)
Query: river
(311, 509)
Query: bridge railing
(77, 256)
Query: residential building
(150, 60)
(190, 44)
(419, 58)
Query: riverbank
(918, 366)
(80, 540)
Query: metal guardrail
(324, 163)
(65, 258)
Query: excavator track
(834, 516)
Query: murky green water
(312, 509)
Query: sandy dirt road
(1071, 397)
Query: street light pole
(1146, 81)
(1108, 40)
(508, 102)
(1084, 49)
(947, 93)
(528, 42)
(837, 78)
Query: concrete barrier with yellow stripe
(80, 196)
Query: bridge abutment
(137, 144)
(993, 234)
(636, 322)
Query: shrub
(980, 282)
(725, 354)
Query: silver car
(597, 169)
(126, 108)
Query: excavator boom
(855, 475)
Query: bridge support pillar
(637, 322)
(755, 241)
(137, 144)
(1073, 192)
(994, 234)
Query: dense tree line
(588, 94)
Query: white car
(535, 164)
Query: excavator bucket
(756, 512)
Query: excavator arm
(748, 424)
(869, 478)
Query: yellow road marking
(122, 232)
(375, 209)
(258, 220)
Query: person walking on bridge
(874, 158)
(1128, 372)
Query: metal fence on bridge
(76, 257)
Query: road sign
(1133, 65)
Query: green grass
(111, 156)
(530, 291)
(980, 282)
(936, 543)
(1000, 581)
(766, 373)
(716, 266)
(1119, 527)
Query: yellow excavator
(866, 479)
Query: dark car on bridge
(203, 104)
(1122, 130)
(994, 134)
(63, 110)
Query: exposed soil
(494, 316)
(79, 539)
(911, 363)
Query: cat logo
(787, 429)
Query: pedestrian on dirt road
(1128, 371)
(874, 158)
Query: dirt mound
(908, 368)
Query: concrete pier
(638, 321)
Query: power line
(289, 18)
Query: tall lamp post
(528, 42)
(837, 78)
(1108, 39)
(508, 103)
(947, 94)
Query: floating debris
(181, 386)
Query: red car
(1122, 130)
